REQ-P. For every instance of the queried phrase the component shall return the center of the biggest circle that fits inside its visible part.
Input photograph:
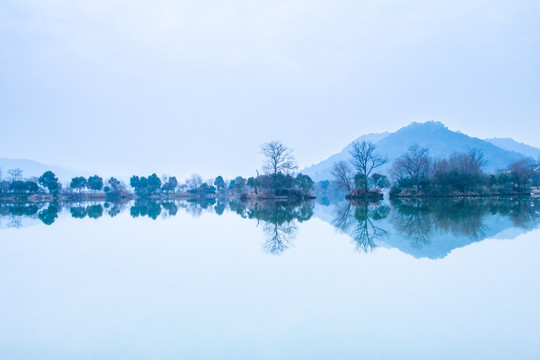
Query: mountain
(512, 145)
(321, 170)
(32, 168)
(435, 136)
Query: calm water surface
(440, 280)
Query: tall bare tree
(278, 158)
(342, 172)
(365, 159)
(414, 165)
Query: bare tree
(476, 160)
(522, 171)
(365, 159)
(194, 182)
(277, 158)
(342, 172)
(414, 165)
(16, 174)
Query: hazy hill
(33, 168)
(512, 145)
(433, 135)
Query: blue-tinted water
(224, 287)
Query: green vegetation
(416, 174)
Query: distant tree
(134, 181)
(95, 183)
(154, 183)
(115, 186)
(277, 158)
(360, 181)
(413, 166)
(16, 173)
(49, 215)
(16, 186)
(219, 183)
(240, 184)
(253, 183)
(78, 183)
(460, 172)
(50, 181)
(20, 186)
(522, 171)
(379, 181)
(365, 159)
(304, 183)
(343, 175)
(194, 182)
(170, 185)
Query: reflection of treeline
(276, 212)
(419, 221)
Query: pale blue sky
(177, 87)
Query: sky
(180, 87)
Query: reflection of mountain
(430, 229)
(433, 229)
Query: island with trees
(416, 174)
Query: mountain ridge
(435, 136)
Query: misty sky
(176, 87)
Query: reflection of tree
(78, 212)
(195, 207)
(413, 221)
(344, 219)
(171, 208)
(95, 211)
(522, 213)
(360, 217)
(49, 215)
(220, 207)
(278, 220)
(461, 217)
(278, 237)
(115, 208)
(366, 232)
(145, 207)
(419, 220)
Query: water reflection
(429, 228)
(432, 228)
(279, 222)
(421, 221)
(360, 219)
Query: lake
(446, 279)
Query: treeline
(278, 180)
(416, 173)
